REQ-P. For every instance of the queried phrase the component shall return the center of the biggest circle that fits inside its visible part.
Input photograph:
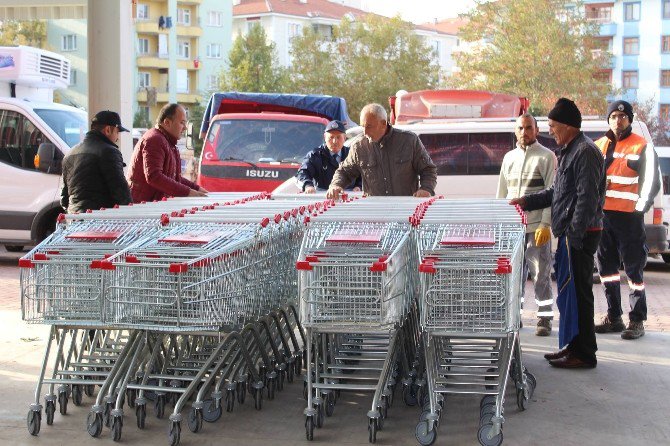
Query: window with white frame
(214, 50)
(294, 30)
(142, 46)
(142, 11)
(184, 16)
(437, 47)
(666, 9)
(212, 82)
(68, 42)
(631, 12)
(144, 79)
(184, 49)
(215, 18)
(182, 81)
(251, 23)
(73, 76)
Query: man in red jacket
(155, 167)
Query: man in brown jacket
(155, 167)
(391, 162)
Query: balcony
(608, 29)
(188, 64)
(152, 61)
(189, 2)
(147, 26)
(161, 95)
(190, 97)
(189, 31)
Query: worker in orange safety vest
(633, 180)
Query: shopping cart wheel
(298, 365)
(304, 389)
(241, 392)
(211, 411)
(424, 434)
(372, 430)
(141, 415)
(280, 379)
(131, 394)
(309, 428)
(230, 400)
(159, 406)
(106, 414)
(521, 399)
(50, 410)
(195, 420)
(175, 433)
(34, 421)
(76, 394)
(289, 372)
(532, 383)
(320, 415)
(485, 440)
(330, 404)
(62, 402)
(486, 409)
(272, 385)
(94, 424)
(258, 399)
(117, 426)
(408, 396)
(486, 400)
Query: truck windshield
(264, 140)
(71, 126)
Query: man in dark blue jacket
(320, 164)
(576, 201)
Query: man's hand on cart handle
(334, 192)
(521, 201)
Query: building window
(144, 79)
(212, 82)
(631, 12)
(665, 78)
(631, 45)
(142, 11)
(294, 30)
(599, 14)
(251, 23)
(629, 79)
(436, 44)
(182, 81)
(214, 50)
(184, 17)
(143, 46)
(215, 18)
(73, 76)
(666, 9)
(184, 49)
(68, 42)
(604, 76)
(665, 44)
(664, 112)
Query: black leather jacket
(318, 168)
(93, 175)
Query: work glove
(542, 235)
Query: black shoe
(610, 325)
(543, 327)
(635, 330)
(558, 355)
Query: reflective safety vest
(623, 189)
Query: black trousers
(584, 344)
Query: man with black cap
(93, 170)
(320, 164)
(576, 201)
(632, 183)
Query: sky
(419, 11)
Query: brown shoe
(635, 330)
(543, 327)
(608, 325)
(557, 355)
(570, 361)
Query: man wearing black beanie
(633, 181)
(576, 201)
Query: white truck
(35, 135)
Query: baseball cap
(336, 126)
(107, 117)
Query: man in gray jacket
(576, 201)
(529, 168)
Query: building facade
(180, 48)
(637, 34)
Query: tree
(541, 49)
(141, 120)
(252, 65)
(658, 128)
(363, 61)
(30, 32)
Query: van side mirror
(189, 136)
(48, 159)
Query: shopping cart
(471, 282)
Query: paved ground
(622, 402)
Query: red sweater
(155, 168)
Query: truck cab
(35, 135)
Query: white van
(664, 162)
(30, 125)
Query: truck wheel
(14, 248)
(666, 257)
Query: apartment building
(180, 48)
(637, 33)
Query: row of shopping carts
(180, 301)
(197, 302)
